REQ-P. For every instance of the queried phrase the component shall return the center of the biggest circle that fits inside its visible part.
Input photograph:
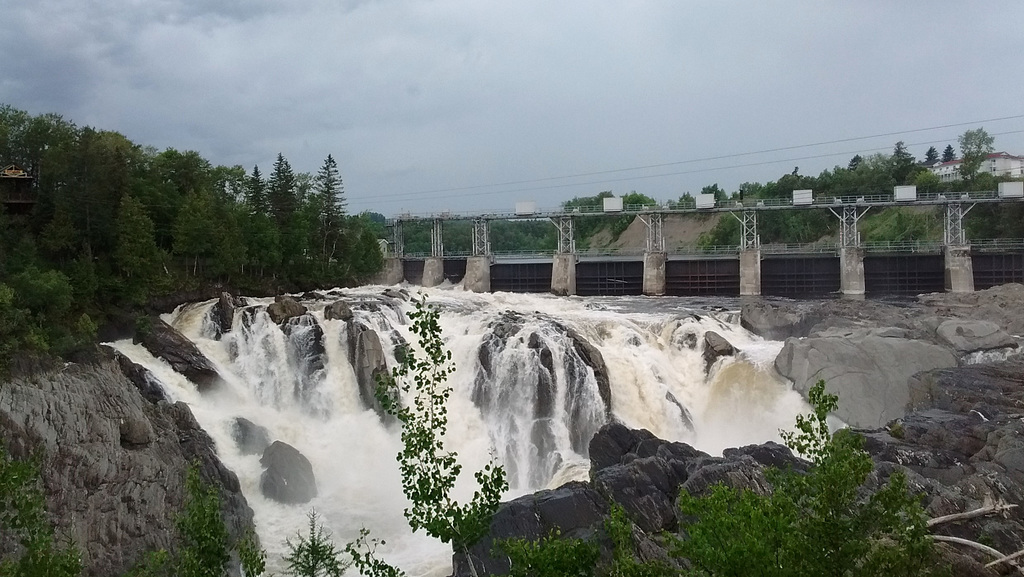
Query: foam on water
(652, 349)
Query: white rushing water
(524, 394)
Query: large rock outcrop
(222, 313)
(165, 342)
(284, 308)
(868, 370)
(965, 336)
(288, 475)
(113, 463)
(715, 347)
(366, 353)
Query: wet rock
(684, 413)
(165, 342)
(394, 293)
(367, 356)
(284, 308)
(141, 377)
(222, 313)
(312, 296)
(966, 336)
(716, 347)
(339, 310)
(593, 358)
(775, 321)
(288, 476)
(869, 373)
(307, 354)
(251, 439)
(113, 462)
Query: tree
(256, 193)
(204, 551)
(428, 471)
(329, 200)
(948, 154)
(136, 252)
(810, 524)
(23, 519)
(975, 146)
(931, 156)
(194, 227)
(855, 162)
(902, 163)
(314, 555)
(281, 191)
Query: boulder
(396, 293)
(252, 439)
(222, 313)
(869, 373)
(339, 310)
(367, 357)
(965, 336)
(165, 342)
(288, 476)
(715, 347)
(284, 308)
(776, 321)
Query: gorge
(536, 378)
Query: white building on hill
(996, 164)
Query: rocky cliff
(114, 457)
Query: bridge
(847, 266)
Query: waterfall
(535, 377)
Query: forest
(116, 224)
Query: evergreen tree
(314, 555)
(230, 254)
(329, 200)
(948, 155)
(931, 155)
(136, 253)
(256, 192)
(902, 163)
(855, 162)
(281, 191)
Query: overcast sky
(432, 106)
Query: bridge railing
(903, 246)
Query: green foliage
(949, 153)
(811, 524)
(624, 562)
(364, 557)
(23, 520)
(314, 554)
(551, 556)
(428, 471)
(975, 145)
(252, 557)
(204, 550)
(902, 224)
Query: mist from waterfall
(526, 393)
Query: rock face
(114, 463)
(252, 439)
(635, 469)
(715, 347)
(165, 342)
(288, 477)
(339, 310)
(966, 336)
(366, 354)
(284, 308)
(222, 313)
(869, 372)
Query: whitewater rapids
(508, 349)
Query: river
(307, 396)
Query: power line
(408, 196)
(704, 159)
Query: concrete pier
(959, 273)
(851, 272)
(392, 273)
(433, 271)
(478, 274)
(750, 272)
(563, 274)
(654, 273)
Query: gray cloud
(421, 96)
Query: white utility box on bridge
(613, 204)
(905, 193)
(526, 208)
(1011, 190)
(802, 197)
(705, 201)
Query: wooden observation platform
(17, 195)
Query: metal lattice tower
(748, 236)
(398, 239)
(566, 235)
(436, 239)
(655, 232)
(849, 237)
(481, 237)
(954, 235)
